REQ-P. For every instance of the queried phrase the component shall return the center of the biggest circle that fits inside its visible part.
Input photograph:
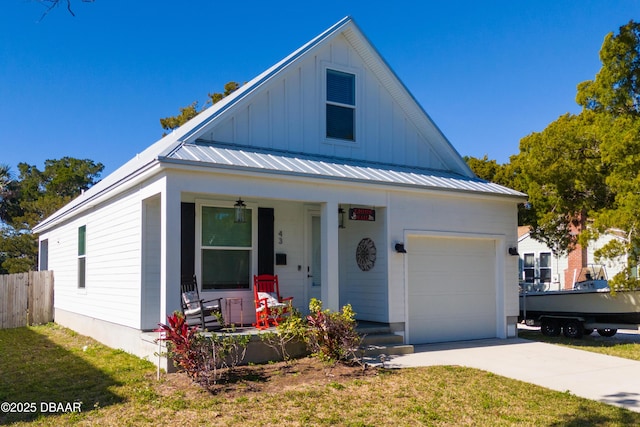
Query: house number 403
(280, 237)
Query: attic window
(341, 102)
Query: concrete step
(387, 350)
(382, 339)
(378, 340)
(372, 328)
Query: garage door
(451, 289)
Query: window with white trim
(82, 256)
(43, 255)
(341, 105)
(545, 267)
(529, 268)
(226, 248)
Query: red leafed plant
(183, 344)
(200, 355)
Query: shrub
(199, 355)
(290, 329)
(332, 336)
(182, 344)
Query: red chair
(270, 306)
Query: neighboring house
(340, 170)
(540, 266)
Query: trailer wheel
(573, 329)
(588, 331)
(550, 328)
(607, 332)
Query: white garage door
(451, 289)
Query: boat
(589, 305)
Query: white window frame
(549, 268)
(357, 107)
(82, 278)
(200, 203)
(531, 267)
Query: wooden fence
(26, 299)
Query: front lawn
(49, 364)
(619, 345)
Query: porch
(378, 339)
(324, 250)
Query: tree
(483, 168)
(36, 195)
(562, 171)
(616, 88)
(614, 95)
(8, 193)
(187, 113)
(587, 166)
(51, 4)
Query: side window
(43, 261)
(341, 103)
(545, 267)
(82, 256)
(529, 268)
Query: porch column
(170, 251)
(330, 292)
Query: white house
(341, 172)
(540, 265)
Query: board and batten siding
(287, 114)
(451, 214)
(113, 242)
(366, 291)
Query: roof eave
(88, 198)
(244, 170)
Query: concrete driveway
(607, 379)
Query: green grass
(613, 346)
(52, 364)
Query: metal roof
(290, 163)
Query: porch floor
(362, 326)
(377, 340)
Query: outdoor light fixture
(513, 251)
(340, 218)
(399, 247)
(240, 211)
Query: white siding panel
(374, 148)
(224, 132)
(112, 260)
(340, 52)
(277, 102)
(399, 143)
(259, 120)
(287, 114)
(366, 291)
(241, 130)
(289, 240)
(293, 112)
(385, 132)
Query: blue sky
(95, 85)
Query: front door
(312, 256)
